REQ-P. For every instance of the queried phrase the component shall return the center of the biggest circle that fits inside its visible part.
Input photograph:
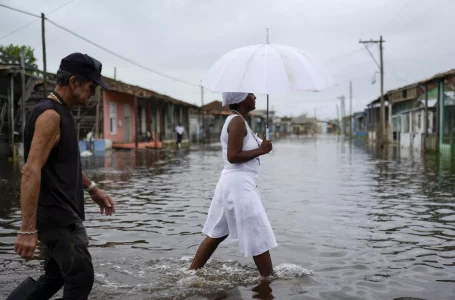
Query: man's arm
(45, 137)
(105, 202)
(86, 182)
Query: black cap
(83, 65)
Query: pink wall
(120, 99)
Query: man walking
(52, 188)
(180, 130)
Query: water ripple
(370, 225)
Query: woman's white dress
(236, 209)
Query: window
(419, 121)
(404, 94)
(406, 123)
(143, 122)
(113, 118)
(413, 122)
(395, 126)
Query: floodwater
(351, 223)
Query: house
(333, 127)
(402, 99)
(373, 117)
(346, 125)
(215, 115)
(257, 120)
(412, 125)
(422, 114)
(445, 118)
(304, 125)
(11, 96)
(135, 117)
(359, 124)
(283, 126)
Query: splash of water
(170, 277)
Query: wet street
(350, 223)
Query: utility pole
(43, 37)
(343, 114)
(11, 115)
(203, 114)
(115, 73)
(98, 112)
(382, 132)
(338, 116)
(23, 93)
(351, 117)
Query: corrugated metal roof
(437, 76)
(138, 91)
(216, 107)
(10, 67)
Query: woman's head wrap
(233, 98)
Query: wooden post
(383, 131)
(11, 114)
(156, 124)
(149, 117)
(203, 116)
(161, 122)
(425, 115)
(98, 108)
(43, 39)
(350, 111)
(23, 94)
(136, 117)
(438, 115)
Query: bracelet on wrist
(92, 185)
(27, 232)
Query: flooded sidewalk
(350, 224)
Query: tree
(12, 55)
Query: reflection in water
(371, 224)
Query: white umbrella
(267, 69)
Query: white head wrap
(233, 98)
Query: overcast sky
(183, 38)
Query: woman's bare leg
(205, 251)
(264, 263)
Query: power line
(60, 7)
(404, 80)
(398, 76)
(372, 56)
(18, 29)
(21, 11)
(355, 51)
(99, 46)
(120, 56)
(33, 22)
(399, 12)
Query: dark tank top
(61, 197)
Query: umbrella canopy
(267, 69)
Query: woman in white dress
(236, 212)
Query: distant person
(180, 130)
(52, 188)
(236, 212)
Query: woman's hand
(266, 146)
